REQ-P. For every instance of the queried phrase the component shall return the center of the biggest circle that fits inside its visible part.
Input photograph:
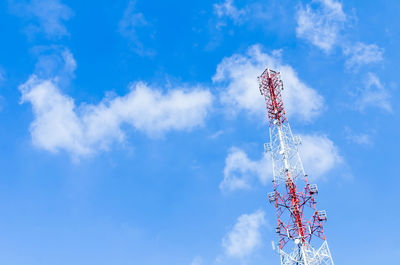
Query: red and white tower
(300, 224)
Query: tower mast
(300, 224)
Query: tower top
(271, 86)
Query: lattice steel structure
(300, 224)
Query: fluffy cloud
(245, 236)
(237, 74)
(360, 54)
(60, 124)
(240, 171)
(46, 16)
(318, 153)
(373, 94)
(321, 25)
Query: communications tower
(300, 225)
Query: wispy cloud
(2, 75)
(216, 134)
(321, 23)
(43, 16)
(372, 94)
(253, 13)
(82, 130)
(245, 236)
(227, 9)
(132, 24)
(54, 61)
(360, 54)
(358, 138)
(236, 76)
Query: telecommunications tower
(300, 225)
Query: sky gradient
(132, 132)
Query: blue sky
(132, 131)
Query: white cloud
(46, 16)
(129, 27)
(240, 171)
(237, 77)
(60, 125)
(318, 153)
(56, 125)
(229, 10)
(360, 54)
(245, 236)
(82, 130)
(321, 25)
(373, 94)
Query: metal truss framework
(300, 224)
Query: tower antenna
(300, 224)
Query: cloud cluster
(319, 155)
(60, 124)
(44, 16)
(236, 76)
(81, 130)
(322, 24)
(245, 236)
